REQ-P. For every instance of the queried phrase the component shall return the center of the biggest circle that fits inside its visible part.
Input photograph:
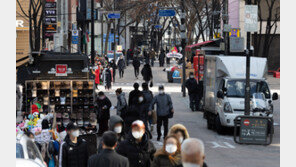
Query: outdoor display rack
(70, 99)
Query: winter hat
(34, 109)
(138, 123)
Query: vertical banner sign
(251, 18)
(61, 69)
(74, 36)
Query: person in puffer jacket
(121, 103)
(73, 151)
(137, 147)
(180, 131)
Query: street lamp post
(183, 44)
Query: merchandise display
(70, 99)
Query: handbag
(151, 83)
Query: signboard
(119, 48)
(166, 13)
(158, 26)
(236, 44)
(88, 14)
(50, 12)
(75, 37)
(50, 5)
(235, 32)
(251, 18)
(61, 69)
(227, 28)
(253, 130)
(50, 28)
(217, 35)
(50, 20)
(113, 15)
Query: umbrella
(174, 55)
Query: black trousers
(114, 74)
(162, 120)
(152, 62)
(121, 72)
(194, 101)
(103, 126)
(136, 69)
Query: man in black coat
(147, 73)
(137, 147)
(73, 151)
(103, 112)
(161, 58)
(108, 157)
(121, 66)
(133, 94)
(136, 64)
(193, 92)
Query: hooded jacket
(164, 104)
(121, 64)
(73, 154)
(178, 127)
(138, 154)
(114, 119)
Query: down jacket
(177, 127)
(138, 154)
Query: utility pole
(247, 88)
(225, 21)
(92, 33)
(125, 48)
(183, 44)
(102, 29)
(114, 42)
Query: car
(110, 56)
(26, 163)
(28, 152)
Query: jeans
(136, 71)
(162, 120)
(194, 101)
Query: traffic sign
(234, 32)
(74, 39)
(74, 32)
(113, 15)
(237, 44)
(166, 12)
(158, 26)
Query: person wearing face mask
(103, 112)
(194, 91)
(164, 109)
(137, 147)
(169, 155)
(73, 151)
(32, 137)
(137, 111)
(193, 153)
(116, 125)
(179, 131)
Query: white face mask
(137, 134)
(33, 140)
(141, 99)
(191, 76)
(118, 129)
(161, 92)
(181, 139)
(75, 133)
(170, 148)
(185, 164)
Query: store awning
(189, 47)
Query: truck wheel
(219, 127)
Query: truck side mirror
(220, 94)
(275, 96)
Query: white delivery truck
(224, 89)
